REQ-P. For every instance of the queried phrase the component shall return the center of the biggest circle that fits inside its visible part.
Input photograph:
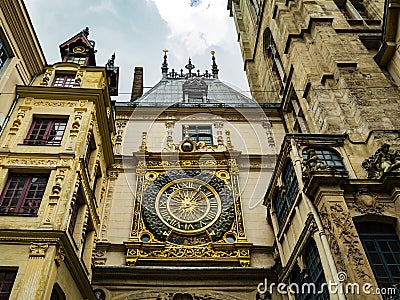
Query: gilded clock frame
(224, 166)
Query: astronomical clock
(187, 208)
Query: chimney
(137, 86)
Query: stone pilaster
(38, 272)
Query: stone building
(54, 154)
(333, 200)
(183, 215)
(192, 190)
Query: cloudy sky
(138, 30)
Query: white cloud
(196, 28)
(105, 6)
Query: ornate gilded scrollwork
(186, 211)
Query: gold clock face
(188, 205)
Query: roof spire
(214, 66)
(190, 67)
(164, 67)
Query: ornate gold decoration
(188, 205)
(229, 145)
(181, 214)
(151, 176)
(38, 249)
(173, 252)
(143, 146)
(78, 50)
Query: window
(57, 293)
(382, 247)
(353, 9)
(287, 193)
(46, 132)
(90, 148)
(274, 62)
(78, 202)
(4, 56)
(7, 278)
(327, 156)
(64, 80)
(22, 194)
(200, 134)
(312, 273)
(80, 60)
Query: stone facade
(193, 190)
(318, 59)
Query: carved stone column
(39, 269)
(76, 125)
(345, 245)
(112, 176)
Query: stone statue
(382, 162)
(313, 163)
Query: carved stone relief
(366, 202)
(345, 245)
(38, 249)
(382, 162)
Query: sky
(138, 30)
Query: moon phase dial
(189, 206)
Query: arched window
(57, 293)
(328, 157)
(382, 247)
(285, 196)
(309, 281)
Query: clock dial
(188, 205)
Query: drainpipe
(10, 111)
(317, 219)
(384, 46)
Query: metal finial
(86, 31)
(214, 67)
(190, 66)
(186, 131)
(164, 66)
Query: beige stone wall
(26, 58)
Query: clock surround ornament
(187, 210)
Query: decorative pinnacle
(214, 67)
(189, 66)
(164, 67)
(186, 131)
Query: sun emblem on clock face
(188, 205)
(192, 204)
